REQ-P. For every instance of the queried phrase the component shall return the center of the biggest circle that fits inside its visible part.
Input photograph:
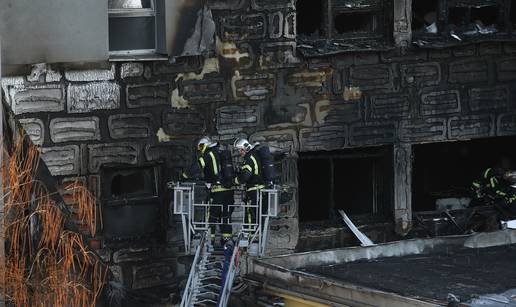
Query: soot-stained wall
(255, 83)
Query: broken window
(443, 174)
(482, 16)
(487, 15)
(512, 15)
(315, 206)
(127, 183)
(458, 16)
(460, 20)
(424, 16)
(332, 26)
(356, 181)
(361, 22)
(466, 21)
(310, 18)
(131, 203)
(445, 171)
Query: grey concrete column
(402, 23)
(403, 187)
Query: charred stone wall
(257, 84)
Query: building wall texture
(255, 84)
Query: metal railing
(189, 293)
(194, 215)
(251, 229)
(233, 269)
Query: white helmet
(243, 144)
(204, 143)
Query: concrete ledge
(283, 274)
(391, 249)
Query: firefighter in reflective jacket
(251, 175)
(492, 187)
(210, 164)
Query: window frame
(378, 17)
(469, 5)
(134, 13)
(505, 31)
(380, 39)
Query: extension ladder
(213, 271)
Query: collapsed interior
(446, 170)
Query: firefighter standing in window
(256, 173)
(218, 174)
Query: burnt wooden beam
(403, 188)
(402, 31)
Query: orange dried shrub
(86, 205)
(45, 265)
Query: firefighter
(251, 175)
(494, 188)
(209, 162)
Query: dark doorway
(446, 170)
(359, 181)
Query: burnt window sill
(323, 47)
(436, 41)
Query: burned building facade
(365, 101)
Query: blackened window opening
(424, 14)
(132, 206)
(447, 170)
(487, 15)
(355, 22)
(132, 183)
(482, 16)
(357, 181)
(314, 189)
(354, 180)
(309, 17)
(129, 183)
(458, 16)
(512, 14)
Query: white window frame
(130, 13)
